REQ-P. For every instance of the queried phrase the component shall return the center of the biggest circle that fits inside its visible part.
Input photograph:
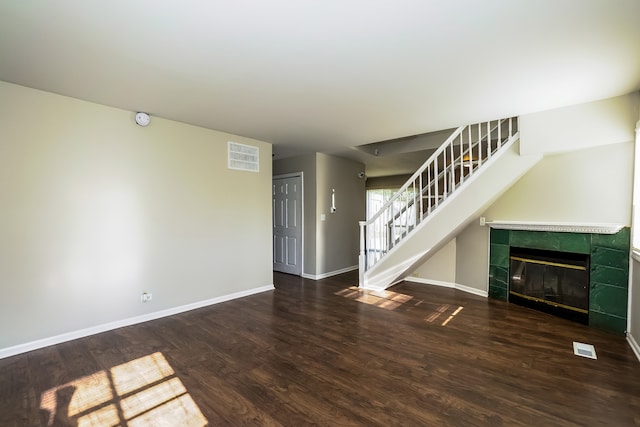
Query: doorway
(287, 215)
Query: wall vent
(243, 157)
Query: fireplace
(605, 251)
(550, 281)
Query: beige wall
(472, 257)
(392, 181)
(338, 236)
(441, 267)
(94, 210)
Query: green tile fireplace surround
(609, 270)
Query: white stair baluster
(402, 213)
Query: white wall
(586, 176)
(585, 186)
(608, 121)
(634, 306)
(634, 300)
(94, 210)
(455, 214)
(589, 185)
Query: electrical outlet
(146, 297)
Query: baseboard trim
(634, 345)
(331, 273)
(473, 291)
(457, 286)
(58, 339)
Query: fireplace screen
(555, 282)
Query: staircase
(469, 171)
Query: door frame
(293, 175)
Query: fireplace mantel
(565, 227)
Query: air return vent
(244, 157)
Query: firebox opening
(550, 281)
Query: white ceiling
(324, 75)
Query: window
(376, 198)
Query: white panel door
(287, 225)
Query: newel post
(362, 258)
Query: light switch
(323, 217)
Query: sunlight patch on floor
(384, 299)
(442, 310)
(458, 310)
(141, 392)
(390, 300)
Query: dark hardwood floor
(324, 353)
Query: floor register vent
(584, 350)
